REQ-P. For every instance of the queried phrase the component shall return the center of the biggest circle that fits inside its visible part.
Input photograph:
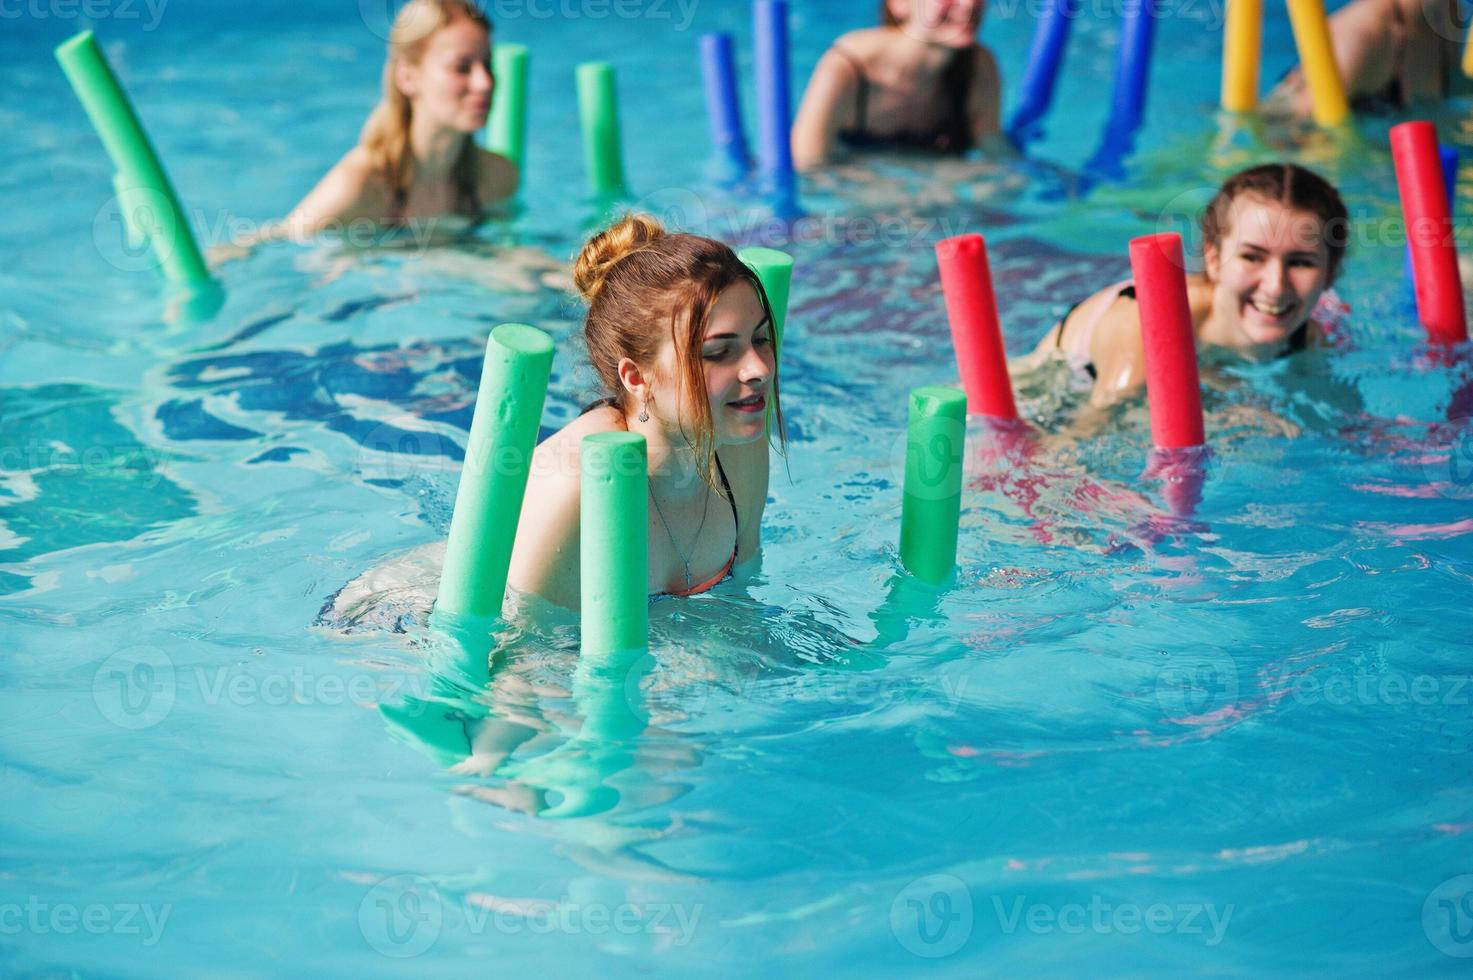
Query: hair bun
(604, 250)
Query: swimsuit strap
(1085, 332)
(725, 569)
(607, 402)
(730, 498)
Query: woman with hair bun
(680, 332)
(416, 158)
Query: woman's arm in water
(545, 557)
(830, 94)
(351, 191)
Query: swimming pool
(1236, 743)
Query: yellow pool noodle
(1242, 46)
(1317, 59)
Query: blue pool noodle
(1044, 59)
(1448, 156)
(718, 70)
(774, 111)
(1132, 73)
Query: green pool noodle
(775, 270)
(152, 208)
(909, 604)
(506, 130)
(128, 205)
(498, 457)
(613, 540)
(598, 108)
(931, 508)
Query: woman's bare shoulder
(556, 457)
(864, 42)
(360, 170)
(355, 187)
(496, 176)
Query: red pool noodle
(1172, 386)
(976, 335)
(1435, 274)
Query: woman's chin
(739, 433)
(1262, 334)
(472, 122)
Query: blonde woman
(416, 159)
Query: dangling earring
(644, 416)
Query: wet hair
(644, 284)
(386, 134)
(1294, 187)
(956, 84)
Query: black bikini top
(952, 136)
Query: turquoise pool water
(1122, 742)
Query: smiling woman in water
(1273, 239)
(416, 158)
(680, 332)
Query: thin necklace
(683, 560)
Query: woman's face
(737, 359)
(452, 83)
(1269, 269)
(952, 23)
